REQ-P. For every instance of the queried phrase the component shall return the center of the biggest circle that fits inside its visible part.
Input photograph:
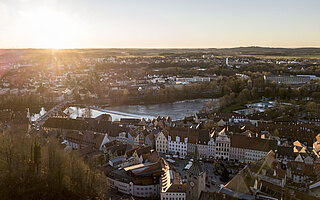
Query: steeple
(195, 178)
(196, 154)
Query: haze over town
(170, 100)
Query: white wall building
(222, 145)
(175, 192)
(250, 149)
(161, 143)
(211, 147)
(177, 145)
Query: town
(256, 135)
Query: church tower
(29, 120)
(196, 179)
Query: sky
(159, 23)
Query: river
(177, 110)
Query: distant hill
(237, 51)
(273, 51)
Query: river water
(177, 110)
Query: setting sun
(51, 29)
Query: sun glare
(52, 29)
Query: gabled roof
(151, 156)
(298, 149)
(104, 117)
(177, 188)
(193, 136)
(86, 137)
(297, 143)
(201, 115)
(130, 121)
(64, 123)
(143, 150)
(224, 131)
(285, 151)
(242, 182)
(316, 146)
(153, 169)
(272, 167)
(318, 137)
(180, 132)
(253, 143)
(203, 137)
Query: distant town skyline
(159, 24)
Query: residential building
(193, 136)
(292, 80)
(203, 144)
(250, 149)
(140, 180)
(222, 145)
(177, 142)
(264, 179)
(175, 192)
(162, 142)
(212, 146)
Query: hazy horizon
(35, 48)
(72, 24)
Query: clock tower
(196, 179)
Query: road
(41, 120)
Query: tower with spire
(196, 178)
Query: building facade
(161, 143)
(222, 145)
(177, 145)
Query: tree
(212, 105)
(312, 107)
(275, 133)
(43, 170)
(283, 93)
(244, 95)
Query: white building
(222, 145)
(211, 147)
(140, 180)
(161, 143)
(175, 192)
(250, 149)
(177, 144)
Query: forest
(34, 168)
